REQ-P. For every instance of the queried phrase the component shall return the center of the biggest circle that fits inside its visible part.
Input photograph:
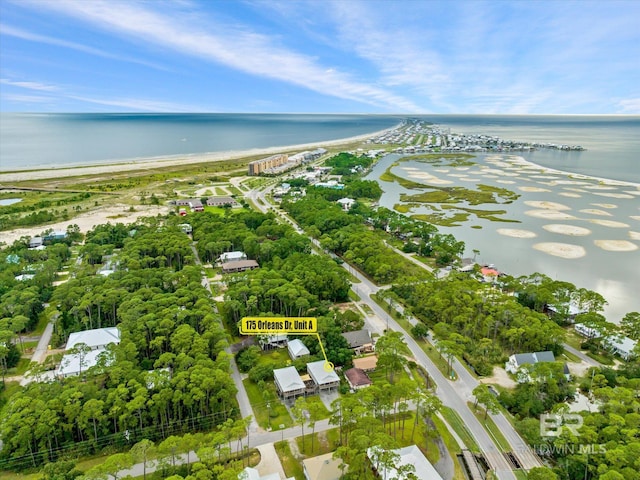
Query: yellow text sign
(275, 325)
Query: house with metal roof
(323, 378)
(288, 383)
(411, 455)
(322, 467)
(518, 360)
(94, 339)
(75, 363)
(297, 349)
(624, 347)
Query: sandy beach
(102, 168)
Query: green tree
(143, 452)
(392, 351)
(544, 473)
(487, 399)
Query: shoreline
(580, 176)
(144, 163)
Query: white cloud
(629, 106)
(140, 104)
(29, 85)
(34, 37)
(233, 46)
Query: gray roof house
(288, 383)
(297, 349)
(323, 378)
(360, 341)
(519, 359)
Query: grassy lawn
(520, 474)
(366, 308)
(275, 415)
(438, 360)
(291, 466)
(453, 419)
(23, 366)
(379, 376)
(452, 447)
(490, 426)
(323, 442)
(354, 296)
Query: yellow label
(274, 325)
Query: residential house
(297, 349)
(325, 380)
(234, 256)
(35, 242)
(585, 331)
(357, 379)
(624, 347)
(322, 467)
(270, 342)
(73, 364)
(517, 360)
(359, 341)
(95, 339)
(288, 383)
(367, 363)
(239, 266)
(346, 203)
(568, 311)
(252, 474)
(411, 455)
(221, 202)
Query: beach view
(294, 240)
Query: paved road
(250, 441)
(585, 358)
(40, 352)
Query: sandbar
(613, 195)
(594, 211)
(616, 245)
(604, 205)
(549, 214)
(634, 235)
(569, 195)
(571, 230)
(516, 233)
(546, 205)
(533, 189)
(609, 223)
(562, 250)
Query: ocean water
(612, 142)
(612, 151)
(41, 140)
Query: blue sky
(346, 56)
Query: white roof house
(322, 467)
(410, 455)
(96, 338)
(232, 256)
(323, 378)
(70, 364)
(622, 346)
(297, 349)
(346, 203)
(288, 382)
(252, 474)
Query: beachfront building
(297, 349)
(411, 455)
(259, 166)
(322, 467)
(566, 312)
(346, 203)
(288, 383)
(324, 380)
